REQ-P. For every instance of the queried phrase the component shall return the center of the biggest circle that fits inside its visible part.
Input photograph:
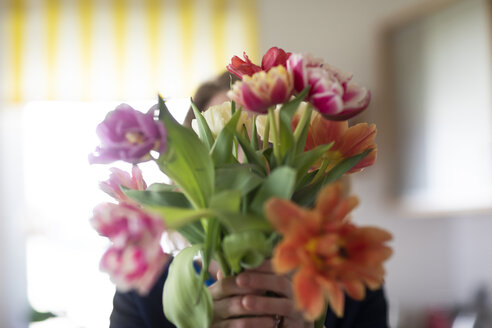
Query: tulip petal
(285, 257)
(354, 288)
(308, 295)
(328, 199)
(335, 296)
(284, 215)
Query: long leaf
(203, 128)
(211, 242)
(193, 232)
(176, 217)
(158, 198)
(279, 183)
(307, 195)
(287, 111)
(238, 177)
(304, 160)
(237, 222)
(250, 153)
(222, 148)
(186, 161)
(187, 302)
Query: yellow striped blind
(119, 49)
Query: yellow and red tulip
(263, 90)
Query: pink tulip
(120, 178)
(134, 267)
(263, 90)
(135, 258)
(332, 93)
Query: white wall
(437, 261)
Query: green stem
(224, 266)
(273, 123)
(321, 171)
(266, 133)
(305, 118)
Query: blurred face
(218, 99)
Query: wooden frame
(386, 89)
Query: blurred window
(442, 73)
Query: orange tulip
(348, 141)
(328, 254)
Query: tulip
(120, 178)
(263, 90)
(135, 259)
(241, 67)
(331, 91)
(272, 58)
(325, 252)
(129, 135)
(218, 116)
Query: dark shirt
(131, 310)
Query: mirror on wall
(440, 72)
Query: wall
(438, 260)
(13, 299)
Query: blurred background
(65, 63)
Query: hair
(207, 90)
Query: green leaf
(186, 161)
(250, 153)
(287, 111)
(280, 183)
(176, 217)
(162, 187)
(211, 242)
(254, 136)
(226, 200)
(203, 128)
(186, 301)
(320, 322)
(222, 148)
(193, 232)
(304, 160)
(306, 196)
(342, 167)
(246, 249)
(239, 177)
(157, 198)
(238, 222)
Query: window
(442, 73)
(61, 190)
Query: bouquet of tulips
(256, 179)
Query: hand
(241, 301)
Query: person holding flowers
(261, 199)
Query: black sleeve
(371, 312)
(131, 310)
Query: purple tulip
(332, 93)
(128, 135)
(136, 258)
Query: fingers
(253, 322)
(252, 305)
(228, 287)
(280, 285)
(265, 267)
